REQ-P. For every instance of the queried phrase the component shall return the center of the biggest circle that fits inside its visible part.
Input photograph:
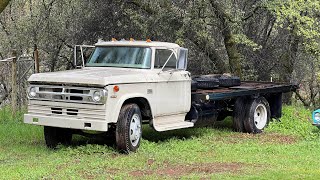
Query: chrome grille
(67, 94)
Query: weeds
(295, 121)
(6, 115)
(287, 150)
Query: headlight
(32, 92)
(96, 96)
(317, 117)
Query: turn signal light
(116, 88)
(148, 40)
(113, 39)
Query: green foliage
(6, 115)
(295, 121)
(242, 39)
(302, 18)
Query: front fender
(113, 112)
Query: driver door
(173, 85)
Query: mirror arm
(166, 62)
(75, 56)
(81, 50)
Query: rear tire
(129, 128)
(239, 114)
(258, 115)
(54, 136)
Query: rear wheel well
(143, 105)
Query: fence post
(36, 59)
(14, 83)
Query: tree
(3, 4)
(255, 39)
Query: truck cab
(121, 85)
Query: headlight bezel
(96, 96)
(32, 92)
(103, 93)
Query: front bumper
(64, 122)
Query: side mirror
(81, 55)
(182, 59)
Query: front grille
(68, 112)
(67, 93)
(56, 110)
(72, 112)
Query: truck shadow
(150, 134)
(79, 140)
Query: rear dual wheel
(239, 114)
(251, 115)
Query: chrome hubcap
(135, 130)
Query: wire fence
(14, 74)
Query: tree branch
(304, 102)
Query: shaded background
(254, 39)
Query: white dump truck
(124, 84)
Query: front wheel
(258, 116)
(55, 135)
(129, 131)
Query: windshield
(115, 56)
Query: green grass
(286, 150)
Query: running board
(167, 123)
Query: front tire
(54, 136)
(258, 116)
(129, 128)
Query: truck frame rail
(247, 88)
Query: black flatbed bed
(247, 88)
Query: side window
(162, 56)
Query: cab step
(166, 123)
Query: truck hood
(100, 76)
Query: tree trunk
(233, 54)
(209, 50)
(3, 4)
(229, 41)
(288, 64)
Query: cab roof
(138, 43)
